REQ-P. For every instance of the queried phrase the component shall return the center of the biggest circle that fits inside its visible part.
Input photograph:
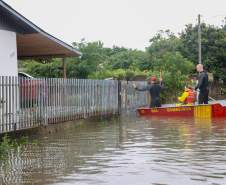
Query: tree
(93, 54)
(128, 59)
(164, 55)
(213, 48)
(37, 69)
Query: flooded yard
(125, 150)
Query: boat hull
(198, 111)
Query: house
(21, 39)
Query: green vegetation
(7, 144)
(176, 56)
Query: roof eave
(22, 18)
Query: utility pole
(199, 40)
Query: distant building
(21, 39)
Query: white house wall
(8, 53)
(8, 67)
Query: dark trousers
(155, 103)
(203, 97)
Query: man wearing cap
(154, 88)
(202, 85)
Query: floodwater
(123, 151)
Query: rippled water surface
(121, 151)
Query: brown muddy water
(123, 151)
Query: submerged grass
(8, 144)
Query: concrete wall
(8, 53)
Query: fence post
(44, 98)
(119, 97)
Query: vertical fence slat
(1, 105)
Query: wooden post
(119, 97)
(64, 68)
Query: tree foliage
(174, 55)
(213, 48)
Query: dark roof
(11, 20)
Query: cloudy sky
(129, 23)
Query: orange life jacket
(191, 97)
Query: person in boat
(154, 87)
(188, 97)
(202, 85)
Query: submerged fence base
(27, 103)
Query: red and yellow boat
(214, 110)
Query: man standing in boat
(202, 85)
(154, 89)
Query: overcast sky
(129, 23)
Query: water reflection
(126, 150)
